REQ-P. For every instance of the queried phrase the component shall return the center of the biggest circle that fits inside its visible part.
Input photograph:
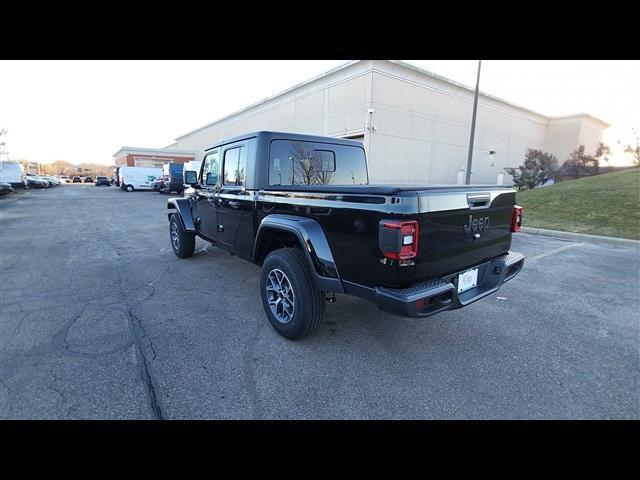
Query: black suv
(102, 181)
(302, 208)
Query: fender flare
(315, 246)
(184, 211)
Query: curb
(622, 242)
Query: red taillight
(398, 240)
(516, 219)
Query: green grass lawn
(606, 204)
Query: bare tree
(603, 153)
(3, 132)
(634, 150)
(239, 175)
(324, 177)
(304, 171)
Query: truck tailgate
(461, 228)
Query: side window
(234, 166)
(211, 169)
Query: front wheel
(293, 304)
(183, 243)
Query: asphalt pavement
(99, 319)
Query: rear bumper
(437, 295)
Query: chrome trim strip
(438, 202)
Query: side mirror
(191, 178)
(212, 178)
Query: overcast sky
(83, 111)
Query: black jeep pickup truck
(302, 208)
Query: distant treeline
(62, 167)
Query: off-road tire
(186, 241)
(309, 302)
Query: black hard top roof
(270, 135)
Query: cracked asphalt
(99, 319)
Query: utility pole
(473, 127)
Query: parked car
(50, 182)
(77, 179)
(13, 174)
(64, 179)
(88, 180)
(100, 180)
(6, 188)
(36, 182)
(138, 178)
(301, 207)
(157, 184)
(53, 181)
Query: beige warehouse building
(414, 124)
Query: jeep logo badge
(477, 225)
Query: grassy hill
(606, 204)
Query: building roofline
(463, 86)
(580, 115)
(154, 151)
(493, 97)
(399, 63)
(279, 94)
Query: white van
(13, 173)
(137, 178)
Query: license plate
(467, 280)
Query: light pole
(473, 127)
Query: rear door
(206, 196)
(233, 198)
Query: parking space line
(553, 252)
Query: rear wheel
(183, 243)
(291, 301)
(129, 188)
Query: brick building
(150, 157)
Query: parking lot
(99, 319)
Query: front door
(207, 208)
(232, 199)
